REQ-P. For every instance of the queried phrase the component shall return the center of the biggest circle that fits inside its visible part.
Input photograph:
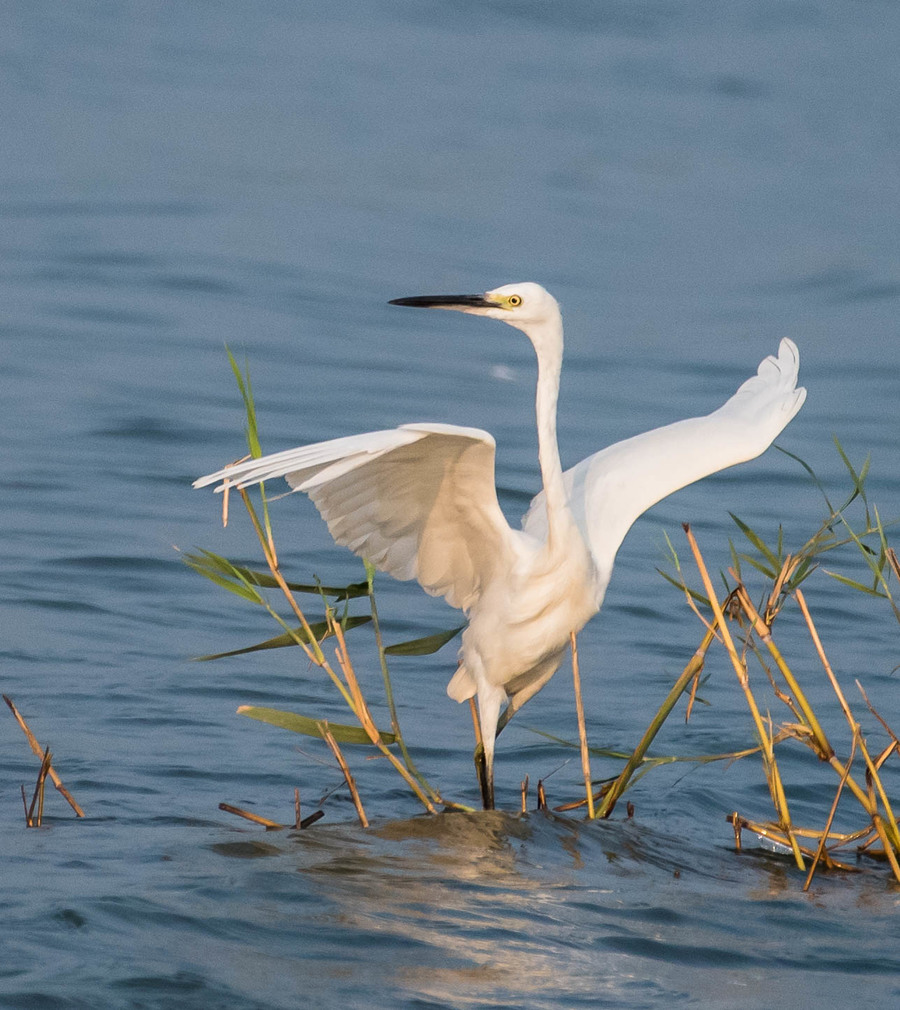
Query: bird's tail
(462, 685)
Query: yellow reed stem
(820, 851)
(888, 848)
(889, 819)
(366, 720)
(773, 777)
(762, 630)
(869, 804)
(238, 812)
(312, 650)
(582, 730)
(328, 737)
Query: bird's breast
(529, 615)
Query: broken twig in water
(40, 751)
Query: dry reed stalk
(891, 836)
(433, 794)
(878, 822)
(315, 654)
(775, 602)
(872, 709)
(783, 697)
(823, 659)
(39, 751)
(889, 828)
(351, 785)
(582, 730)
(765, 636)
(42, 778)
(869, 803)
(525, 795)
(821, 851)
(773, 776)
(365, 717)
(38, 798)
(541, 796)
(692, 696)
(810, 732)
(885, 754)
(271, 825)
(226, 490)
(476, 725)
(775, 833)
(297, 817)
(834, 839)
(563, 808)
(866, 846)
(854, 836)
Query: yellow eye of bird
(514, 301)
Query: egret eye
(514, 301)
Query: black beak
(445, 302)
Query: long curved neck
(548, 344)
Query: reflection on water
(468, 906)
(465, 909)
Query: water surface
(693, 183)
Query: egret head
(525, 306)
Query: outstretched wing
(418, 502)
(609, 490)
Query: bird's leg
(485, 779)
(490, 699)
(478, 755)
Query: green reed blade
(310, 727)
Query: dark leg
(485, 779)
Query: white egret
(420, 502)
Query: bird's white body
(521, 627)
(420, 502)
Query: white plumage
(420, 502)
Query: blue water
(693, 182)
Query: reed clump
(34, 811)
(744, 628)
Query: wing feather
(417, 501)
(609, 490)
